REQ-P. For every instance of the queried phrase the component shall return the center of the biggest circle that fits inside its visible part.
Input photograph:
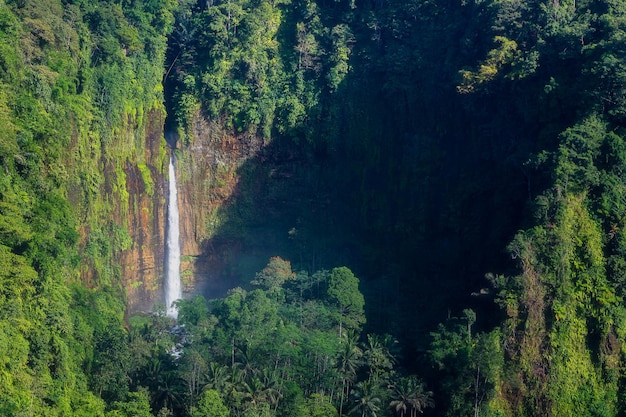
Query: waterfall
(172, 280)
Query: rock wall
(209, 183)
(123, 221)
(222, 178)
(119, 194)
(142, 266)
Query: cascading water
(173, 290)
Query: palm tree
(401, 393)
(248, 360)
(235, 388)
(163, 380)
(272, 387)
(366, 401)
(410, 394)
(379, 357)
(348, 363)
(254, 392)
(217, 377)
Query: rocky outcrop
(124, 220)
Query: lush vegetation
(290, 346)
(523, 101)
(439, 143)
(72, 75)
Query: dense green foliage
(71, 74)
(289, 349)
(431, 138)
(395, 102)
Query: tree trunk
(343, 389)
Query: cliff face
(142, 265)
(209, 178)
(232, 216)
(125, 218)
(122, 213)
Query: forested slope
(436, 131)
(464, 158)
(77, 83)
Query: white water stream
(173, 290)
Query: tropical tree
(255, 398)
(193, 369)
(192, 311)
(366, 401)
(343, 291)
(217, 377)
(320, 406)
(248, 360)
(109, 377)
(274, 275)
(378, 356)
(348, 363)
(211, 405)
(136, 405)
(234, 390)
(409, 394)
(163, 381)
(271, 383)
